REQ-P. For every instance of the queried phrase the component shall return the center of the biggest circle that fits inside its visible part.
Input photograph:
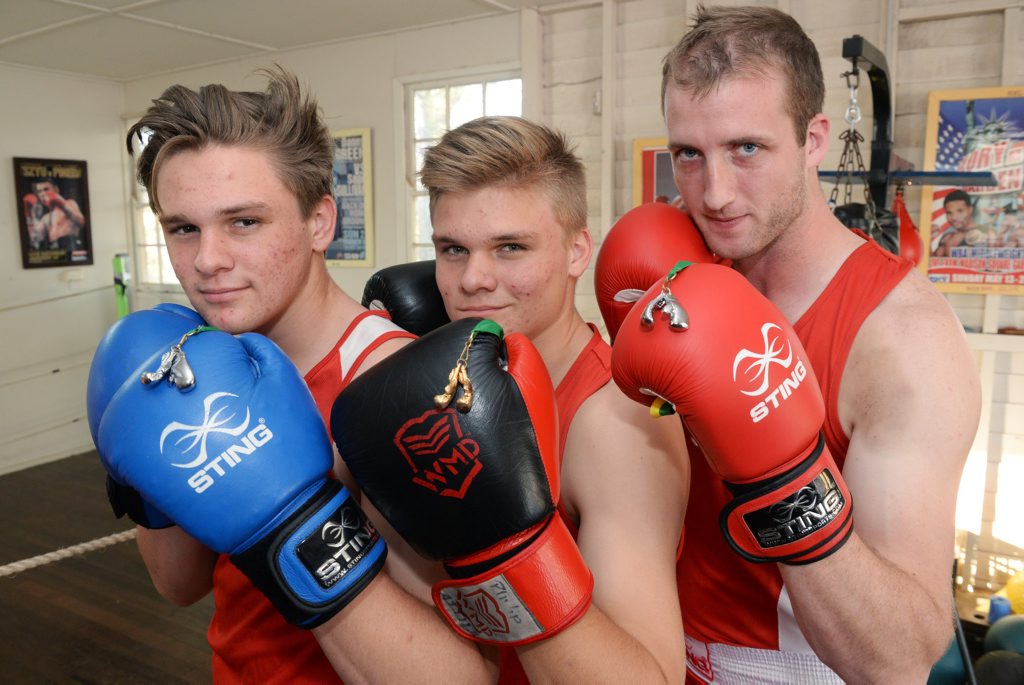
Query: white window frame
(405, 147)
(137, 206)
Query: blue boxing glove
(222, 435)
(123, 498)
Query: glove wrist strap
(317, 560)
(798, 517)
(532, 596)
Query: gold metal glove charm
(458, 376)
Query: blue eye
(747, 149)
(686, 154)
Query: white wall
(50, 326)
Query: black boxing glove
(409, 294)
(470, 476)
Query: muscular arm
(626, 477)
(909, 401)
(180, 567)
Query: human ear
(816, 142)
(581, 248)
(324, 217)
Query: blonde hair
(512, 152)
(280, 121)
(729, 41)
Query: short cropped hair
(280, 121)
(510, 152)
(748, 41)
(955, 195)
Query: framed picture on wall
(652, 172)
(353, 195)
(53, 212)
(974, 235)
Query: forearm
(180, 567)
(74, 213)
(593, 650)
(387, 636)
(878, 642)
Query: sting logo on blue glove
(345, 539)
(216, 419)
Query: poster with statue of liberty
(974, 235)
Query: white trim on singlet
(362, 338)
(720, 664)
(794, 663)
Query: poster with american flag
(974, 235)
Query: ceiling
(125, 40)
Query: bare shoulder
(915, 326)
(609, 421)
(615, 446)
(910, 371)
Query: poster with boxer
(53, 212)
(974, 235)
(353, 196)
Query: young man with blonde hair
(508, 207)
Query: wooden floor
(93, 618)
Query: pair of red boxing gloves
(693, 337)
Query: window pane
(505, 97)
(150, 263)
(150, 228)
(429, 109)
(167, 271)
(422, 253)
(421, 148)
(423, 227)
(467, 103)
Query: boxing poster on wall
(353, 195)
(53, 212)
(974, 235)
(652, 172)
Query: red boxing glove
(639, 250)
(28, 203)
(704, 343)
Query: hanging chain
(851, 162)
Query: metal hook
(853, 112)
